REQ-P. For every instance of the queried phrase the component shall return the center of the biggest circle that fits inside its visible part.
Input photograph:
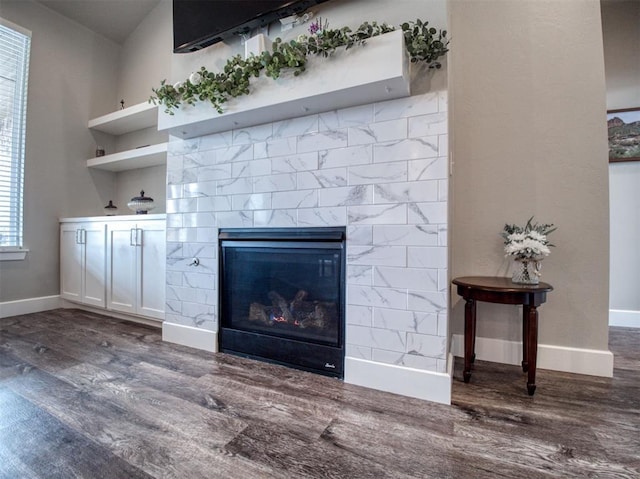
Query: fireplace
(282, 296)
(379, 172)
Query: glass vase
(526, 271)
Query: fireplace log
(280, 303)
(321, 316)
(300, 296)
(299, 313)
(260, 312)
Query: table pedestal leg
(469, 337)
(473, 334)
(532, 343)
(525, 339)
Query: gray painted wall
(527, 110)
(73, 77)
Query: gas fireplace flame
(300, 311)
(278, 319)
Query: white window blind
(14, 72)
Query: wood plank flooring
(83, 395)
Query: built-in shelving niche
(127, 120)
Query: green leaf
(234, 79)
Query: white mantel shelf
(133, 118)
(375, 72)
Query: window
(14, 72)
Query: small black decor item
(122, 104)
(110, 209)
(99, 151)
(141, 204)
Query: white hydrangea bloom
(195, 78)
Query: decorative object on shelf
(526, 271)
(141, 204)
(527, 245)
(318, 26)
(110, 209)
(252, 46)
(423, 43)
(122, 104)
(99, 151)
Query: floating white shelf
(133, 118)
(152, 155)
(375, 72)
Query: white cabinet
(83, 262)
(115, 263)
(136, 257)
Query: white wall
(72, 78)
(625, 233)
(527, 109)
(621, 33)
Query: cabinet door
(121, 266)
(70, 262)
(152, 259)
(95, 265)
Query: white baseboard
(385, 377)
(593, 362)
(190, 336)
(416, 383)
(112, 314)
(625, 319)
(30, 305)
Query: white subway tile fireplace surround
(381, 170)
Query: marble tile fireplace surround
(381, 171)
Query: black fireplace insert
(282, 296)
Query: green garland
(424, 44)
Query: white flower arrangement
(529, 242)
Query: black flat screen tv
(200, 23)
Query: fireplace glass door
(282, 296)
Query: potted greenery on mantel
(423, 43)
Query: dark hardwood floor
(83, 395)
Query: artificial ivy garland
(424, 44)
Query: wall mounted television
(200, 23)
